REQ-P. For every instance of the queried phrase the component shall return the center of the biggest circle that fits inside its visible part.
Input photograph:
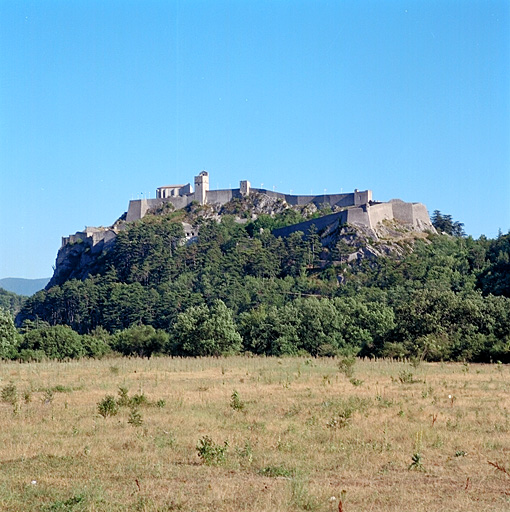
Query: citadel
(357, 208)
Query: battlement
(181, 196)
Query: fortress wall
(180, 201)
(138, 208)
(358, 216)
(341, 200)
(379, 212)
(403, 212)
(222, 196)
(320, 223)
(421, 216)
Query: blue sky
(102, 101)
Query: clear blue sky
(101, 101)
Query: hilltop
(375, 227)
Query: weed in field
(415, 362)
(211, 453)
(277, 471)
(235, 401)
(135, 417)
(27, 396)
(346, 366)
(114, 369)
(77, 502)
(416, 463)
(48, 397)
(139, 399)
(165, 440)
(123, 399)
(339, 421)
(160, 403)
(383, 402)
(406, 377)
(107, 406)
(460, 453)
(59, 388)
(246, 452)
(301, 497)
(10, 394)
(355, 382)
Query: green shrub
(58, 342)
(107, 406)
(210, 452)
(204, 331)
(10, 394)
(235, 401)
(140, 340)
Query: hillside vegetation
(238, 288)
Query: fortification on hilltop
(79, 253)
(181, 196)
(356, 207)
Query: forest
(239, 289)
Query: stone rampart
(320, 223)
(377, 213)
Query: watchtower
(201, 187)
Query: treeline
(241, 289)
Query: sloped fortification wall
(320, 223)
(379, 212)
(414, 214)
(341, 200)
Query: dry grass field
(254, 434)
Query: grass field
(254, 434)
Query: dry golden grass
(306, 434)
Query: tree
(56, 342)
(445, 224)
(206, 331)
(140, 340)
(9, 337)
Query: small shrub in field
(235, 402)
(277, 471)
(135, 418)
(417, 462)
(48, 397)
(160, 403)
(107, 406)
(10, 394)
(139, 399)
(210, 452)
(346, 366)
(123, 400)
(69, 504)
(406, 377)
(246, 452)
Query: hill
(218, 272)
(22, 286)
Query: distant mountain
(23, 286)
